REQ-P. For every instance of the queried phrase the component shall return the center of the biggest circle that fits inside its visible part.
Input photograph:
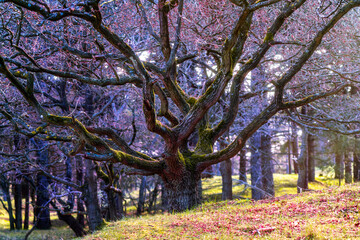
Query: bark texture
(226, 176)
(311, 158)
(255, 167)
(79, 180)
(339, 165)
(141, 200)
(41, 210)
(356, 167)
(294, 146)
(348, 174)
(183, 194)
(94, 217)
(242, 165)
(267, 167)
(302, 183)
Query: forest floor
(331, 213)
(324, 213)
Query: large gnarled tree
(211, 46)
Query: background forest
(115, 107)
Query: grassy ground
(59, 230)
(53, 234)
(332, 213)
(283, 183)
(156, 226)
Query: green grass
(215, 218)
(58, 231)
(52, 234)
(284, 184)
(331, 213)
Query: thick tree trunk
(242, 165)
(226, 175)
(18, 206)
(311, 158)
(294, 146)
(302, 183)
(141, 200)
(41, 210)
(356, 166)
(348, 175)
(267, 165)
(183, 193)
(255, 167)
(94, 216)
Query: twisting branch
(80, 129)
(277, 104)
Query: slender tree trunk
(255, 167)
(152, 198)
(27, 205)
(17, 191)
(5, 186)
(311, 158)
(302, 183)
(356, 166)
(33, 199)
(79, 179)
(242, 166)
(18, 205)
(267, 164)
(226, 175)
(348, 175)
(294, 146)
(289, 168)
(68, 177)
(10, 210)
(339, 170)
(141, 200)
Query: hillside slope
(333, 213)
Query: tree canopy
(153, 85)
